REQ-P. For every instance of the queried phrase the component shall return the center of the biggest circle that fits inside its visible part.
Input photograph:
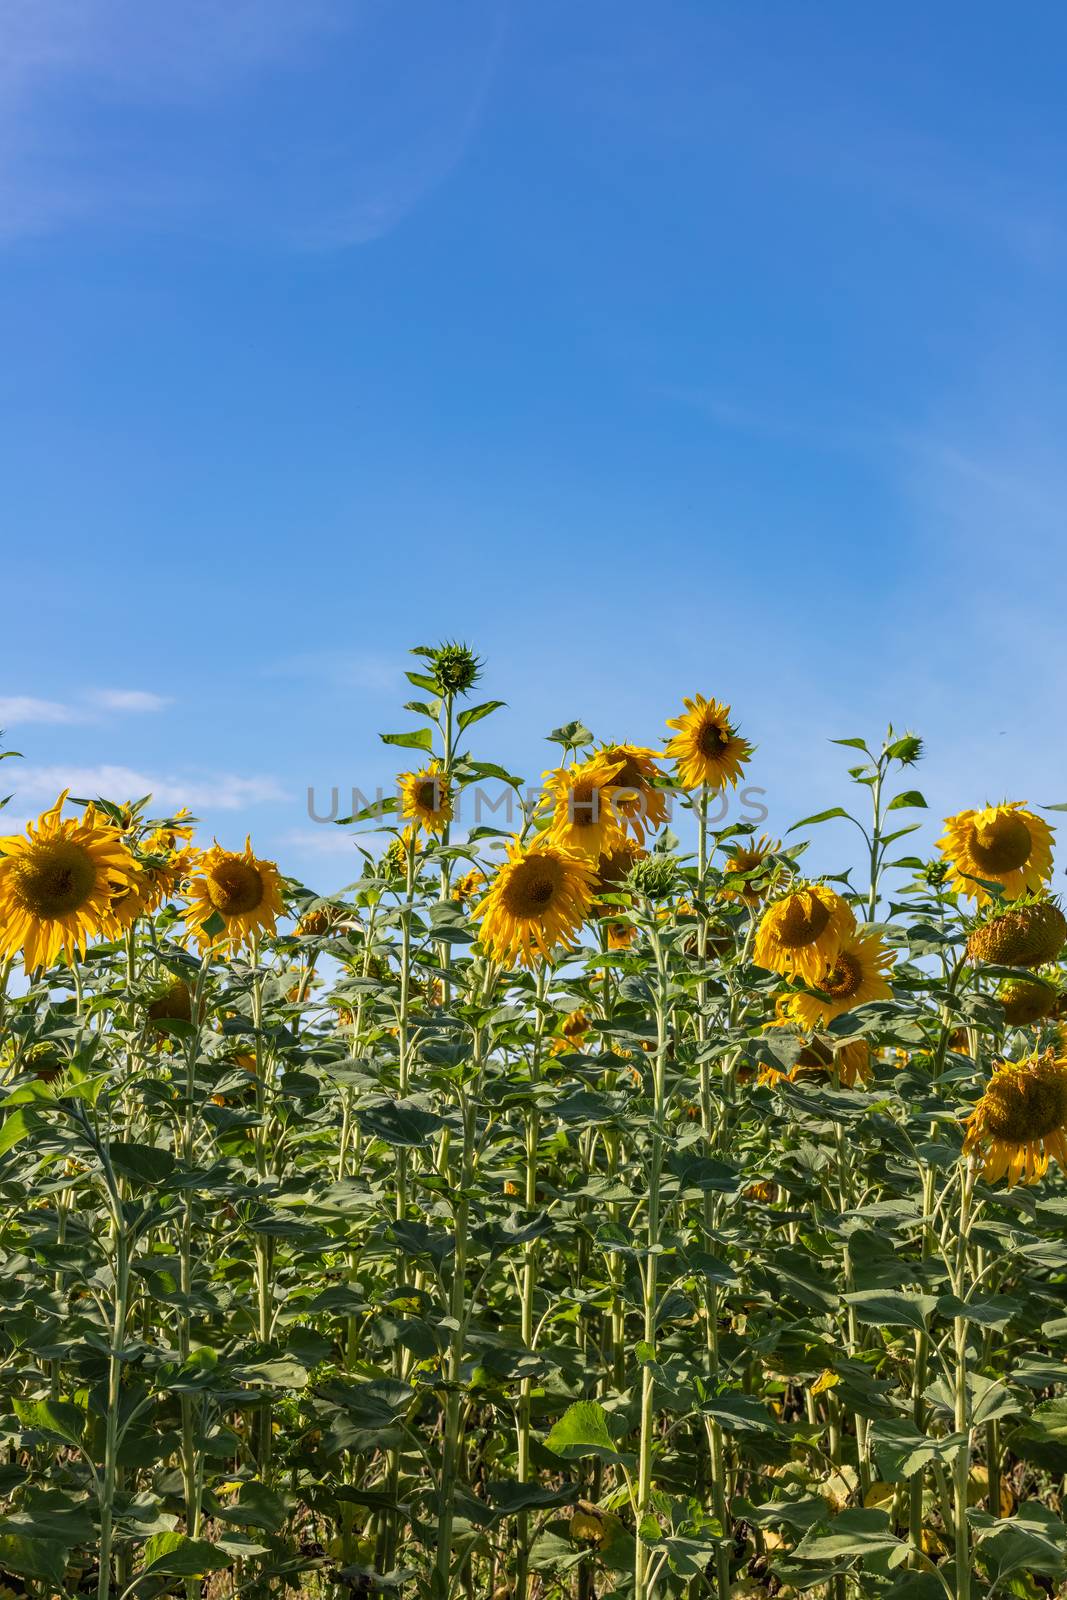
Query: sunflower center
(1002, 845)
(713, 739)
(54, 877)
(428, 795)
(531, 888)
(235, 887)
(844, 978)
(583, 805)
(1021, 1109)
(802, 920)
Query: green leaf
(858, 1532)
(583, 1431)
(256, 1507)
(476, 713)
(144, 1163)
(900, 1449)
(739, 1413)
(892, 1308)
(18, 1125)
(34, 1558)
(59, 1419)
(175, 1555)
(822, 816)
(574, 734)
(910, 797)
(417, 739)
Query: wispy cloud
(129, 700)
(22, 709)
(141, 110)
(19, 709)
(220, 791)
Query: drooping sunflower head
(855, 975)
(612, 869)
(537, 901)
(585, 818)
(172, 1002)
(571, 1033)
(57, 885)
(1027, 1000)
(1004, 844)
(1020, 1122)
(320, 920)
(426, 798)
(851, 1062)
(706, 747)
(801, 934)
(638, 802)
(241, 890)
(1025, 934)
(754, 862)
(468, 886)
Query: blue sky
(700, 346)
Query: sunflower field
(596, 1209)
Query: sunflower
(752, 862)
(612, 869)
(707, 748)
(1002, 844)
(172, 1002)
(240, 889)
(426, 798)
(637, 800)
(572, 1032)
(538, 900)
(468, 886)
(851, 1061)
(1024, 934)
(56, 885)
(801, 933)
(1027, 1000)
(621, 935)
(1021, 1119)
(586, 818)
(856, 974)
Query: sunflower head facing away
(571, 1033)
(856, 974)
(57, 885)
(426, 799)
(638, 802)
(1024, 934)
(1020, 1122)
(1004, 844)
(707, 748)
(537, 901)
(754, 862)
(801, 934)
(585, 818)
(1027, 1000)
(238, 887)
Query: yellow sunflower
(1027, 1000)
(801, 933)
(425, 798)
(856, 974)
(537, 901)
(56, 885)
(572, 1032)
(244, 891)
(1004, 844)
(642, 806)
(707, 748)
(583, 800)
(1026, 933)
(468, 886)
(752, 861)
(1021, 1120)
(852, 1062)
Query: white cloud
(223, 791)
(129, 700)
(324, 840)
(143, 109)
(22, 708)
